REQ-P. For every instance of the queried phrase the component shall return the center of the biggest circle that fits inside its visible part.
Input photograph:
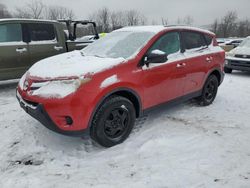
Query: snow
(125, 44)
(71, 64)
(240, 50)
(109, 81)
(154, 29)
(181, 146)
(54, 41)
(58, 89)
(158, 52)
(17, 43)
(26, 19)
(22, 80)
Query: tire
(113, 121)
(228, 70)
(209, 91)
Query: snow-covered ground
(182, 146)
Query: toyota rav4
(103, 88)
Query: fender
(222, 74)
(108, 94)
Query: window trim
(193, 49)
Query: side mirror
(156, 56)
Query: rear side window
(42, 32)
(193, 40)
(168, 43)
(10, 33)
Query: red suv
(103, 88)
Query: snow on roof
(26, 19)
(153, 29)
(159, 28)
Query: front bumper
(38, 112)
(238, 64)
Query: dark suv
(24, 42)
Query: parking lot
(181, 146)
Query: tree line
(37, 10)
(227, 26)
(231, 26)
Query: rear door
(44, 41)
(198, 55)
(14, 58)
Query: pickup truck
(25, 41)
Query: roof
(159, 28)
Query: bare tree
(187, 20)
(117, 20)
(164, 21)
(154, 22)
(4, 13)
(34, 9)
(108, 21)
(59, 12)
(132, 17)
(243, 29)
(102, 18)
(215, 26)
(228, 23)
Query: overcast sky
(202, 11)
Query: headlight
(22, 80)
(57, 88)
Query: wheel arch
(218, 73)
(128, 93)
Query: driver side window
(168, 43)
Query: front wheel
(113, 121)
(209, 91)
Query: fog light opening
(69, 120)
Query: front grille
(242, 56)
(31, 103)
(240, 63)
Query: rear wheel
(227, 70)
(113, 121)
(209, 91)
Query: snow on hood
(241, 50)
(72, 64)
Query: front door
(14, 57)
(164, 82)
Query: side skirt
(173, 102)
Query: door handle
(21, 50)
(181, 65)
(209, 59)
(58, 48)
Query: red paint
(154, 86)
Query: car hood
(241, 51)
(72, 64)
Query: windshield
(118, 44)
(245, 43)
